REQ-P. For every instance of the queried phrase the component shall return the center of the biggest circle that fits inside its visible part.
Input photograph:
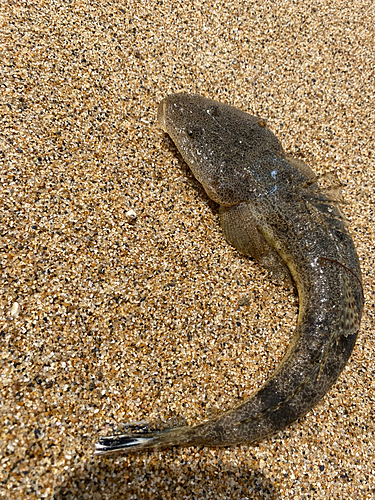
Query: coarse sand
(120, 300)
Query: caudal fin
(114, 444)
(137, 437)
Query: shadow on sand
(148, 477)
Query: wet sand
(120, 299)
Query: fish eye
(193, 132)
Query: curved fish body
(273, 209)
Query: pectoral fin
(240, 230)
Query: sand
(120, 299)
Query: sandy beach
(120, 300)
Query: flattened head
(220, 143)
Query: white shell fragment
(15, 310)
(131, 215)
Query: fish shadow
(147, 475)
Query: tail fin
(137, 437)
(114, 444)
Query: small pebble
(131, 215)
(15, 310)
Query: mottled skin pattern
(272, 208)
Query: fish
(275, 209)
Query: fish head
(223, 146)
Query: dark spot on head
(213, 111)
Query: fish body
(273, 209)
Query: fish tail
(122, 443)
(138, 437)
